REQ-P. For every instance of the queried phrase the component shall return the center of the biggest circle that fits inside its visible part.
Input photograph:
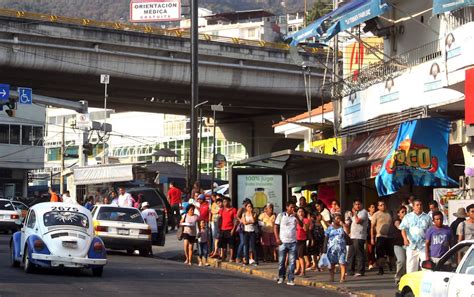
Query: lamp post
(214, 108)
(194, 90)
(200, 137)
(105, 80)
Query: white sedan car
(452, 276)
(122, 228)
(58, 235)
(10, 219)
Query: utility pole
(200, 137)
(305, 16)
(194, 91)
(63, 151)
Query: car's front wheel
(27, 265)
(13, 261)
(408, 293)
(97, 272)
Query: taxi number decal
(426, 287)
(62, 208)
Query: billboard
(356, 55)
(155, 10)
(260, 186)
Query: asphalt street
(137, 276)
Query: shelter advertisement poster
(261, 189)
(443, 196)
(418, 157)
(155, 10)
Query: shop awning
(103, 174)
(302, 168)
(372, 147)
(440, 6)
(345, 17)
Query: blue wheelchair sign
(25, 96)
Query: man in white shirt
(124, 198)
(285, 234)
(68, 199)
(150, 216)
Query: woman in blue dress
(336, 246)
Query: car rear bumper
(9, 225)
(58, 261)
(115, 243)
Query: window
(468, 266)
(252, 33)
(15, 134)
(120, 214)
(26, 135)
(62, 218)
(449, 262)
(38, 136)
(4, 134)
(31, 219)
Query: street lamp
(200, 137)
(214, 108)
(105, 80)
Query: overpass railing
(152, 30)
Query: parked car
(58, 235)
(222, 189)
(451, 276)
(10, 217)
(159, 203)
(122, 228)
(21, 208)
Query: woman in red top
(301, 238)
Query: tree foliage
(319, 9)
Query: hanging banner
(443, 196)
(440, 6)
(418, 157)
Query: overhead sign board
(25, 96)
(4, 92)
(155, 10)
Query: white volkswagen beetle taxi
(58, 235)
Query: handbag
(348, 239)
(180, 230)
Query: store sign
(261, 189)
(357, 55)
(419, 157)
(423, 85)
(330, 146)
(155, 10)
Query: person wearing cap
(465, 230)
(203, 208)
(460, 217)
(150, 216)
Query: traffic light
(11, 107)
(88, 149)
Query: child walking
(335, 246)
(203, 238)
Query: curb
(271, 276)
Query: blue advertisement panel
(418, 157)
(440, 6)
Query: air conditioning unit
(458, 133)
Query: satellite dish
(295, 56)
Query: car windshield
(6, 205)
(65, 218)
(120, 214)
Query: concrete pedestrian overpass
(150, 72)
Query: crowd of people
(310, 236)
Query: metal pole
(213, 150)
(63, 151)
(194, 90)
(200, 144)
(105, 129)
(305, 13)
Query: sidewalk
(369, 285)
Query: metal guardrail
(152, 30)
(381, 71)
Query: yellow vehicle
(452, 276)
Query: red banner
(469, 93)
